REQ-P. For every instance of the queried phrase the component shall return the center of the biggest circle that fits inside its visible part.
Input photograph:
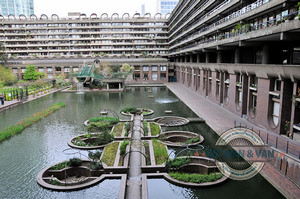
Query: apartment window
(253, 104)
(163, 76)
(146, 76)
(240, 98)
(50, 76)
(145, 68)
(15, 70)
(277, 85)
(67, 69)
(49, 70)
(154, 76)
(275, 112)
(154, 68)
(163, 68)
(75, 69)
(23, 70)
(41, 70)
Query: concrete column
(219, 56)
(120, 87)
(293, 111)
(206, 57)
(107, 86)
(193, 79)
(266, 55)
(198, 58)
(237, 56)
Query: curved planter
(171, 121)
(88, 177)
(85, 147)
(138, 109)
(203, 164)
(179, 138)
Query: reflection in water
(166, 100)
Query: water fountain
(79, 88)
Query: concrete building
(243, 55)
(16, 7)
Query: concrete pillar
(107, 86)
(120, 86)
(198, 58)
(206, 57)
(219, 56)
(237, 56)
(193, 79)
(293, 112)
(266, 55)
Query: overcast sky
(62, 7)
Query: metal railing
(285, 145)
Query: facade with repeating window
(243, 55)
(16, 7)
(165, 6)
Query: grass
(145, 127)
(154, 128)
(160, 152)
(196, 178)
(20, 126)
(118, 129)
(109, 154)
(123, 147)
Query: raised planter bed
(180, 138)
(171, 121)
(86, 140)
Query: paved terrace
(220, 120)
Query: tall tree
(6, 77)
(3, 54)
(31, 74)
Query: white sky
(62, 7)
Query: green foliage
(123, 147)
(95, 156)
(196, 178)
(19, 127)
(31, 74)
(79, 143)
(129, 110)
(127, 128)
(160, 152)
(97, 126)
(6, 77)
(109, 154)
(154, 128)
(74, 162)
(193, 140)
(145, 127)
(110, 120)
(59, 166)
(54, 181)
(177, 163)
(95, 165)
(118, 128)
(104, 138)
(3, 54)
(126, 68)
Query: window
(75, 69)
(277, 85)
(154, 68)
(275, 114)
(163, 68)
(240, 97)
(253, 104)
(67, 69)
(23, 70)
(145, 68)
(15, 70)
(49, 70)
(41, 70)
(163, 76)
(154, 76)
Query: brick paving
(220, 120)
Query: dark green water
(43, 143)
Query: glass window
(41, 70)
(145, 68)
(154, 68)
(275, 114)
(154, 76)
(49, 69)
(163, 68)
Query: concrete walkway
(220, 120)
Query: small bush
(74, 162)
(59, 166)
(123, 147)
(193, 140)
(97, 126)
(95, 156)
(127, 128)
(95, 165)
(196, 178)
(104, 138)
(145, 127)
(110, 120)
(130, 110)
(177, 163)
(79, 143)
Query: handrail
(278, 142)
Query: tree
(127, 68)
(6, 77)
(31, 74)
(3, 54)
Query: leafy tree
(6, 77)
(31, 74)
(3, 54)
(127, 68)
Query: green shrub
(79, 143)
(104, 138)
(110, 120)
(95, 156)
(130, 110)
(97, 126)
(95, 165)
(127, 128)
(75, 162)
(196, 178)
(193, 140)
(177, 163)
(59, 166)
(123, 147)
